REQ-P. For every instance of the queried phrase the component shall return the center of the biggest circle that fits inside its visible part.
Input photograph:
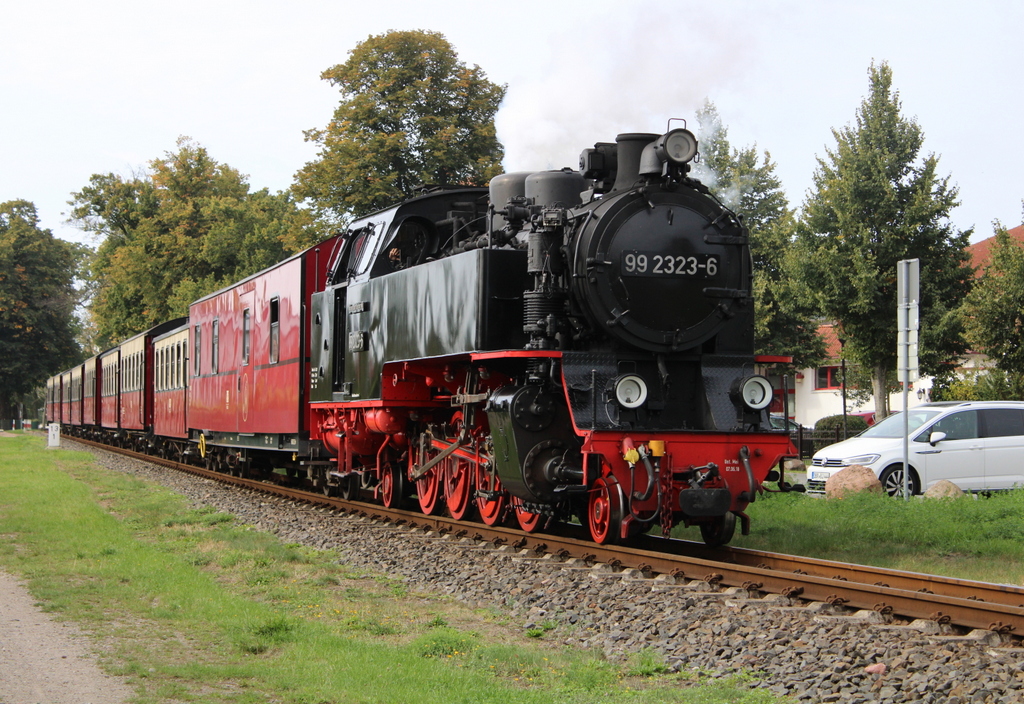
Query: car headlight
(861, 459)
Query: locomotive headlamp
(630, 391)
(755, 392)
(676, 147)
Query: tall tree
(876, 201)
(994, 310)
(747, 183)
(411, 114)
(185, 229)
(37, 302)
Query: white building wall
(807, 405)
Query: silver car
(977, 445)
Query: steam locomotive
(561, 345)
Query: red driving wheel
(604, 511)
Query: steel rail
(959, 602)
(830, 569)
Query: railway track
(943, 600)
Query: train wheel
(261, 467)
(493, 504)
(528, 520)
(428, 492)
(348, 486)
(324, 479)
(720, 530)
(392, 486)
(458, 487)
(458, 476)
(604, 511)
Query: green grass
(979, 538)
(195, 607)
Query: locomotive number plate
(636, 263)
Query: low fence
(810, 441)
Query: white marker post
(54, 435)
(908, 322)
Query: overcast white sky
(109, 85)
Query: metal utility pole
(842, 366)
(908, 287)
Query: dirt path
(46, 662)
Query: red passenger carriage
(249, 345)
(170, 391)
(53, 399)
(110, 388)
(90, 398)
(75, 409)
(135, 395)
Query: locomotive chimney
(629, 147)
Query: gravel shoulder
(43, 660)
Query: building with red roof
(981, 252)
(817, 392)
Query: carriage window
(197, 348)
(215, 347)
(178, 376)
(246, 335)
(275, 330)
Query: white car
(977, 445)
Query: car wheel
(892, 480)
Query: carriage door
(246, 384)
